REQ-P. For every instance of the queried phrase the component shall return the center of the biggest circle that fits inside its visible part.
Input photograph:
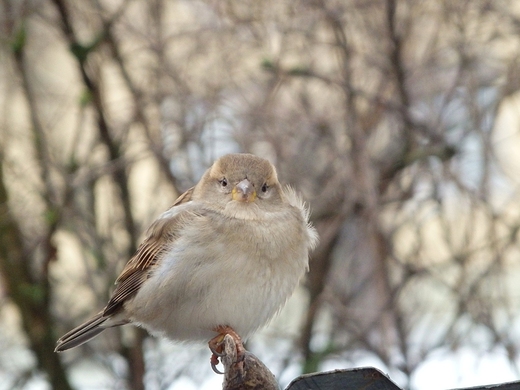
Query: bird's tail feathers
(84, 332)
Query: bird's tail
(83, 333)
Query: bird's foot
(216, 345)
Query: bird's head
(240, 180)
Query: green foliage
(19, 39)
(85, 98)
(51, 216)
(33, 293)
(81, 51)
(267, 64)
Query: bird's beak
(244, 191)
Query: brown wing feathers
(134, 274)
(138, 267)
(128, 283)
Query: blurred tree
(385, 113)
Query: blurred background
(397, 119)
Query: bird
(223, 259)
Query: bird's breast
(223, 272)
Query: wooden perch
(246, 371)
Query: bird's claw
(216, 353)
(216, 346)
(214, 362)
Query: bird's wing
(159, 237)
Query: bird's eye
(223, 182)
(265, 187)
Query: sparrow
(223, 259)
